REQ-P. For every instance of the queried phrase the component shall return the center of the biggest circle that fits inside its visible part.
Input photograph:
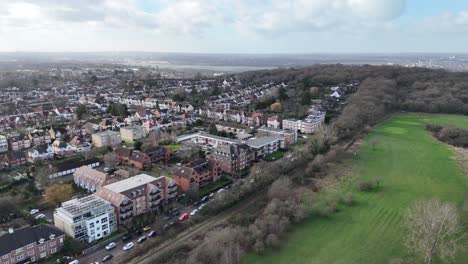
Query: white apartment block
(132, 133)
(106, 138)
(308, 125)
(86, 219)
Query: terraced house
(30, 244)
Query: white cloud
(316, 15)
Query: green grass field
(412, 166)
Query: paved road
(117, 252)
(153, 255)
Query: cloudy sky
(238, 26)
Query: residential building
(17, 142)
(91, 179)
(106, 138)
(15, 158)
(68, 168)
(231, 128)
(264, 146)
(3, 144)
(132, 133)
(233, 159)
(197, 174)
(213, 141)
(137, 195)
(290, 136)
(30, 244)
(41, 152)
(133, 157)
(57, 133)
(158, 154)
(309, 125)
(39, 137)
(274, 122)
(86, 219)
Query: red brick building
(133, 157)
(30, 244)
(197, 174)
(159, 154)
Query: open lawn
(412, 166)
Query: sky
(235, 26)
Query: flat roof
(220, 138)
(82, 205)
(108, 132)
(130, 183)
(262, 141)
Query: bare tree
(42, 174)
(433, 230)
(110, 160)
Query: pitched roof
(26, 236)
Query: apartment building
(213, 141)
(3, 144)
(91, 179)
(233, 159)
(132, 133)
(86, 219)
(265, 146)
(309, 125)
(159, 154)
(30, 244)
(197, 174)
(290, 136)
(106, 138)
(16, 143)
(138, 195)
(39, 137)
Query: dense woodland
(383, 90)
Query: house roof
(26, 236)
(72, 165)
(130, 183)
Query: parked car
(205, 199)
(139, 232)
(128, 246)
(34, 211)
(196, 203)
(165, 227)
(184, 216)
(201, 207)
(74, 262)
(111, 245)
(220, 190)
(211, 195)
(40, 216)
(126, 237)
(175, 213)
(141, 239)
(152, 233)
(146, 228)
(194, 212)
(107, 258)
(167, 218)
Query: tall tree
(58, 193)
(433, 230)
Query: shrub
(368, 185)
(347, 199)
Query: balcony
(125, 209)
(154, 198)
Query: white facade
(86, 219)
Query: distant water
(215, 68)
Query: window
(42, 247)
(20, 257)
(52, 244)
(43, 255)
(30, 253)
(5, 256)
(31, 245)
(53, 250)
